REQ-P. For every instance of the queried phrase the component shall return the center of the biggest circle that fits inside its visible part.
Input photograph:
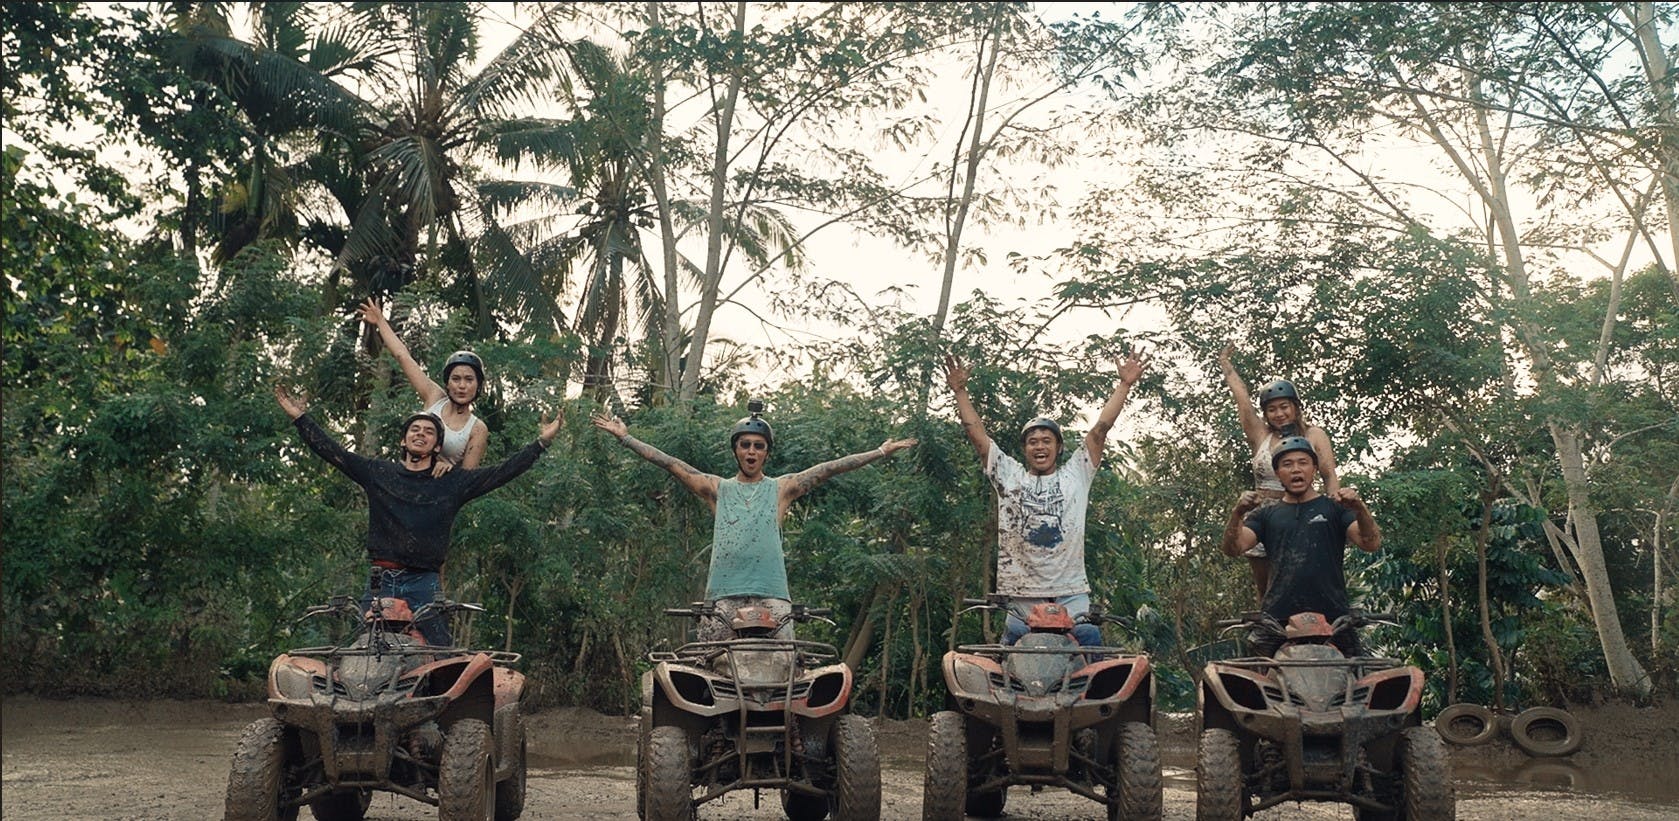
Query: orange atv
(1044, 712)
(385, 712)
(754, 712)
(1310, 724)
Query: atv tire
(1546, 732)
(1137, 795)
(1218, 771)
(466, 773)
(1427, 778)
(256, 783)
(343, 805)
(945, 791)
(856, 770)
(1466, 724)
(510, 791)
(669, 772)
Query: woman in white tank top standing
(464, 435)
(1277, 416)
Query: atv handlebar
(799, 613)
(1353, 619)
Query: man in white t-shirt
(1041, 504)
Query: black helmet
(434, 419)
(472, 361)
(752, 424)
(1280, 389)
(1047, 424)
(1292, 443)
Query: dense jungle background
(1452, 225)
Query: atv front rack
(496, 656)
(1261, 664)
(701, 651)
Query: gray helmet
(469, 359)
(1047, 424)
(1280, 389)
(752, 424)
(1292, 443)
(434, 419)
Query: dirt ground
(94, 759)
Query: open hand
(1224, 355)
(441, 466)
(955, 373)
(551, 428)
(892, 446)
(1132, 366)
(293, 406)
(611, 424)
(371, 313)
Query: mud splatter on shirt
(1040, 525)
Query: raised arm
(428, 389)
(1238, 537)
(1130, 370)
(1252, 426)
(318, 440)
(792, 487)
(480, 482)
(703, 485)
(956, 376)
(1364, 531)
(1326, 459)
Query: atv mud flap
(358, 741)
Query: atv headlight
(291, 682)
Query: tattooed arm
(703, 485)
(792, 487)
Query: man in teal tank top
(748, 566)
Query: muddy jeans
(418, 588)
(1078, 604)
(719, 630)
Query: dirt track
(91, 759)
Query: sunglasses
(752, 445)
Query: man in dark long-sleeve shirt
(410, 512)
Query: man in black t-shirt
(410, 512)
(1306, 534)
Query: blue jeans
(418, 588)
(1078, 604)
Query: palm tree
(381, 106)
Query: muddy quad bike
(1310, 724)
(384, 712)
(754, 712)
(1044, 712)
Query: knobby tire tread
(1218, 770)
(465, 772)
(669, 796)
(945, 790)
(1137, 765)
(857, 770)
(254, 782)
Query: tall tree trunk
(1494, 653)
(715, 220)
(1624, 670)
(1441, 542)
(967, 159)
(1662, 91)
(669, 371)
